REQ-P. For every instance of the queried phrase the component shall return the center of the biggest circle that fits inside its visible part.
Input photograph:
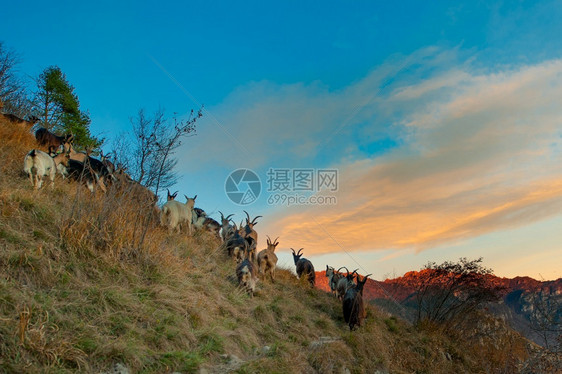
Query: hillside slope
(91, 282)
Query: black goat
(237, 247)
(92, 171)
(353, 306)
(304, 267)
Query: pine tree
(59, 108)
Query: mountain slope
(89, 283)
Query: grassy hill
(88, 282)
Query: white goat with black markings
(38, 164)
(175, 214)
(198, 217)
(227, 229)
(345, 283)
(201, 221)
(246, 274)
(333, 276)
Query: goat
(237, 247)
(267, 259)
(304, 267)
(212, 226)
(62, 168)
(107, 163)
(80, 172)
(74, 155)
(20, 122)
(38, 164)
(353, 306)
(206, 223)
(344, 283)
(46, 138)
(246, 274)
(227, 230)
(333, 278)
(201, 221)
(250, 235)
(198, 217)
(91, 170)
(174, 214)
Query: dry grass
(79, 293)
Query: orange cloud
(481, 155)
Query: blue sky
(401, 98)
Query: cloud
(263, 124)
(480, 153)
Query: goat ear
(194, 197)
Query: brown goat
(251, 235)
(267, 259)
(22, 123)
(47, 139)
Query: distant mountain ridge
(397, 288)
(516, 307)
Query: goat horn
(222, 216)
(268, 239)
(248, 217)
(275, 241)
(228, 217)
(254, 220)
(343, 267)
(299, 252)
(293, 251)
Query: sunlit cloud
(480, 155)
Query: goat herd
(238, 241)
